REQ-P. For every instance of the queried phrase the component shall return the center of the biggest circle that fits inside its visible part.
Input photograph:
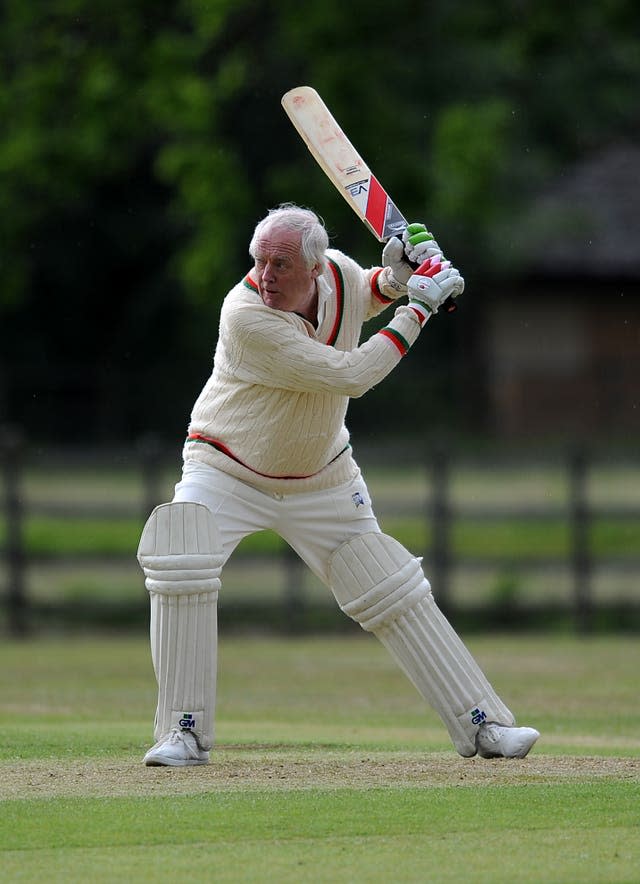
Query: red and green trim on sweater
(338, 281)
(250, 284)
(377, 291)
(398, 340)
(224, 449)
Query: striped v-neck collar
(338, 282)
(335, 322)
(250, 284)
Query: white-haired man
(267, 448)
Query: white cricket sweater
(273, 411)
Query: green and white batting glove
(431, 284)
(419, 244)
(404, 255)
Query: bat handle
(450, 305)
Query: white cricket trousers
(314, 524)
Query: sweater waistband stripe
(222, 448)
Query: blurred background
(140, 143)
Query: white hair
(314, 239)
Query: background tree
(141, 141)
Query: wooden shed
(562, 337)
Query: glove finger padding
(422, 250)
(419, 244)
(458, 285)
(434, 284)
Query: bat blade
(342, 163)
(344, 167)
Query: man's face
(284, 280)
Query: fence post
(440, 526)
(149, 456)
(16, 598)
(580, 553)
(294, 588)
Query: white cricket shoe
(495, 740)
(178, 749)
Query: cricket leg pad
(380, 585)
(181, 555)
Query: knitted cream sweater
(272, 413)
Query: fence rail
(439, 510)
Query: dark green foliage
(141, 141)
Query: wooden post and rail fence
(440, 514)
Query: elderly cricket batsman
(267, 448)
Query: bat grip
(449, 305)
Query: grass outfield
(328, 768)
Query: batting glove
(404, 255)
(419, 244)
(432, 283)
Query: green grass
(368, 836)
(328, 768)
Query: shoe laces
(491, 731)
(176, 736)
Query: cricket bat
(344, 167)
